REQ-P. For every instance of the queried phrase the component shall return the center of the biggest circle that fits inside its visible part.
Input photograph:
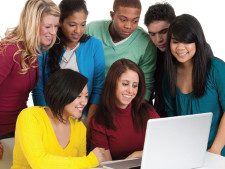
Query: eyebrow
(127, 17)
(159, 31)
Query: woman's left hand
(136, 154)
(1, 150)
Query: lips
(182, 54)
(76, 36)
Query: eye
(47, 27)
(123, 20)
(135, 85)
(135, 21)
(174, 41)
(124, 84)
(152, 34)
(83, 25)
(164, 31)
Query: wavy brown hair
(107, 107)
(26, 34)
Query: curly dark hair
(159, 11)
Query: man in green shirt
(123, 38)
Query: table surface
(212, 161)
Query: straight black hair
(62, 88)
(67, 8)
(187, 29)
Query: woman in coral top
(54, 137)
(120, 122)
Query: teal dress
(212, 101)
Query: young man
(123, 38)
(158, 19)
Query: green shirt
(138, 48)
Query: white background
(210, 13)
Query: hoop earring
(57, 40)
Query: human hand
(1, 150)
(214, 151)
(136, 154)
(100, 154)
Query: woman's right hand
(1, 150)
(100, 154)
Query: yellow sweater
(37, 147)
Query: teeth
(80, 109)
(182, 54)
(127, 96)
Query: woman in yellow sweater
(54, 137)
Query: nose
(180, 45)
(128, 25)
(77, 29)
(129, 88)
(84, 101)
(158, 37)
(54, 30)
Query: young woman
(74, 50)
(194, 81)
(19, 49)
(54, 137)
(120, 122)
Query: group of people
(95, 86)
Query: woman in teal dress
(194, 81)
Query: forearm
(219, 141)
(136, 154)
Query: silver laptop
(176, 142)
(172, 143)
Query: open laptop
(178, 142)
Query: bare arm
(219, 141)
(1, 150)
(91, 111)
(136, 154)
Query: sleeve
(98, 135)
(99, 72)
(6, 61)
(34, 150)
(218, 72)
(38, 92)
(167, 98)
(148, 66)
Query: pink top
(14, 88)
(123, 141)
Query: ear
(60, 24)
(112, 14)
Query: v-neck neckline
(54, 135)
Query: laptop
(178, 142)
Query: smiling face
(183, 52)
(73, 27)
(48, 29)
(158, 33)
(124, 22)
(127, 88)
(75, 108)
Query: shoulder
(217, 65)
(31, 114)
(93, 41)
(142, 34)
(99, 23)
(10, 49)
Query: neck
(54, 119)
(71, 45)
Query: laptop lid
(176, 142)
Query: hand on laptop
(1, 150)
(136, 154)
(100, 154)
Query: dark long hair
(62, 88)
(107, 107)
(187, 29)
(67, 8)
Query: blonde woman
(18, 59)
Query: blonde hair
(26, 33)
